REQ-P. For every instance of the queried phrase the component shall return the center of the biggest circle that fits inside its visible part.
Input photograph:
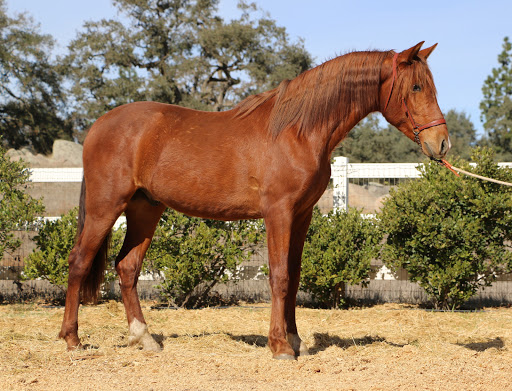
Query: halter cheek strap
(417, 129)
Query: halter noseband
(417, 129)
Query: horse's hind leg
(81, 258)
(142, 219)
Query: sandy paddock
(388, 347)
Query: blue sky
(470, 33)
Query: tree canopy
(31, 92)
(180, 52)
(496, 105)
(462, 134)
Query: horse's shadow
(322, 341)
(251, 339)
(496, 343)
(325, 340)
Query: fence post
(340, 183)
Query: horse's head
(408, 100)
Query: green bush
(338, 250)
(17, 209)
(451, 234)
(54, 242)
(194, 254)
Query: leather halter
(417, 129)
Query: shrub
(338, 250)
(194, 254)
(54, 241)
(17, 209)
(451, 234)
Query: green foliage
(194, 254)
(31, 93)
(180, 52)
(17, 209)
(462, 134)
(451, 234)
(496, 105)
(54, 241)
(338, 250)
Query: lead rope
(455, 169)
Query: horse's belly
(208, 198)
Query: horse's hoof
(299, 347)
(72, 342)
(285, 356)
(72, 348)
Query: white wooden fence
(341, 172)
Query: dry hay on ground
(388, 347)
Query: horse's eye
(416, 88)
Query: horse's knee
(128, 272)
(280, 286)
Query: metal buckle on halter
(417, 137)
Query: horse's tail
(92, 283)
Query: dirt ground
(388, 347)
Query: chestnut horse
(269, 157)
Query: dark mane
(322, 96)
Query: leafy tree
(496, 106)
(368, 142)
(17, 209)
(338, 250)
(451, 234)
(180, 52)
(462, 134)
(31, 96)
(54, 242)
(193, 255)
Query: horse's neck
(342, 130)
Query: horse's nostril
(444, 147)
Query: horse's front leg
(299, 231)
(285, 237)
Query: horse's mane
(327, 94)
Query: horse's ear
(409, 54)
(426, 52)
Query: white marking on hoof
(139, 333)
(297, 345)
